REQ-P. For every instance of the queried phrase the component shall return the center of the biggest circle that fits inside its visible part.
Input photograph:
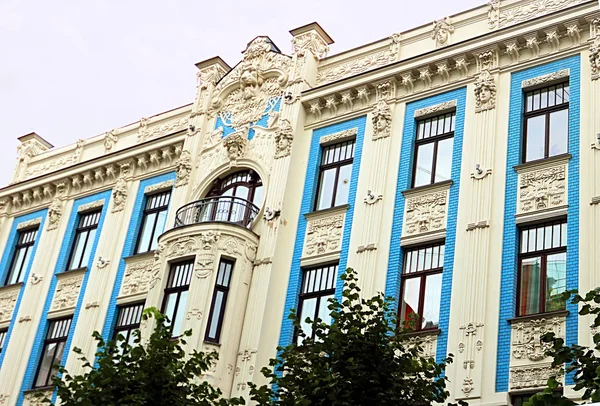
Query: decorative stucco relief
(324, 235)
(382, 120)
(110, 140)
(206, 254)
(310, 41)
(137, 278)
(361, 64)
(485, 91)
(119, 195)
(58, 163)
(283, 139)
(499, 17)
(25, 152)
(159, 187)
(564, 73)
(29, 223)
(245, 369)
(90, 206)
(442, 30)
(526, 342)
(54, 214)
(437, 108)
(235, 145)
(67, 292)
(428, 344)
(184, 169)
(531, 376)
(542, 189)
(339, 136)
(8, 300)
(147, 129)
(425, 213)
(595, 57)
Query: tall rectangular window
(433, 149)
(3, 334)
(84, 239)
(219, 300)
(542, 275)
(334, 175)
(176, 293)
(128, 321)
(318, 285)
(22, 256)
(52, 353)
(422, 287)
(546, 122)
(153, 222)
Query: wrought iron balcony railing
(218, 208)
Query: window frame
(225, 290)
(127, 328)
(3, 336)
(146, 213)
(422, 286)
(543, 254)
(547, 112)
(435, 139)
(177, 290)
(80, 230)
(252, 182)
(318, 294)
(28, 246)
(48, 341)
(323, 167)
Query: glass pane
(17, 263)
(309, 307)
(78, 250)
(548, 237)
(531, 247)
(409, 311)
(563, 234)
(88, 248)
(540, 239)
(552, 96)
(325, 196)
(421, 262)
(431, 303)
(180, 313)
(323, 311)
(556, 236)
(45, 365)
(424, 165)
(524, 240)
(536, 135)
(146, 232)
(60, 348)
(443, 167)
(556, 281)
(258, 195)
(160, 227)
(529, 286)
(559, 132)
(343, 186)
(214, 321)
(169, 307)
(536, 100)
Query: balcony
(225, 209)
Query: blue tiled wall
(510, 240)
(393, 282)
(291, 302)
(61, 265)
(7, 262)
(129, 248)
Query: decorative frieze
(339, 136)
(526, 335)
(551, 77)
(435, 109)
(61, 162)
(427, 343)
(382, 120)
(67, 292)
(159, 187)
(137, 278)
(324, 235)
(425, 213)
(532, 376)
(29, 223)
(147, 129)
(8, 300)
(542, 189)
(90, 206)
(499, 17)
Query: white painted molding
(30, 223)
(90, 206)
(551, 77)
(436, 109)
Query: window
(3, 334)
(542, 275)
(84, 239)
(546, 122)
(234, 199)
(128, 321)
(176, 294)
(22, 256)
(52, 353)
(219, 300)
(334, 175)
(318, 285)
(433, 149)
(519, 400)
(153, 222)
(422, 287)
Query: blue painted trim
(291, 302)
(128, 249)
(7, 262)
(395, 263)
(508, 287)
(262, 122)
(61, 265)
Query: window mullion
(543, 280)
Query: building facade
(455, 166)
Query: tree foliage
(582, 363)
(156, 373)
(361, 358)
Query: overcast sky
(75, 69)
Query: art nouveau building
(455, 166)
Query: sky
(75, 69)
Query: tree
(361, 358)
(156, 373)
(581, 362)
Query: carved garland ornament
(542, 189)
(425, 213)
(526, 342)
(324, 235)
(438, 108)
(382, 120)
(498, 18)
(29, 223)
(339, 136)
(564, 73)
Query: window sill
(139, 255)
(423, 333)
(210, 342)
(12, 285)
(559, 313)
(76, 270)
(428, 188)
(39, 389)
(557, 159)
(324, 212)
